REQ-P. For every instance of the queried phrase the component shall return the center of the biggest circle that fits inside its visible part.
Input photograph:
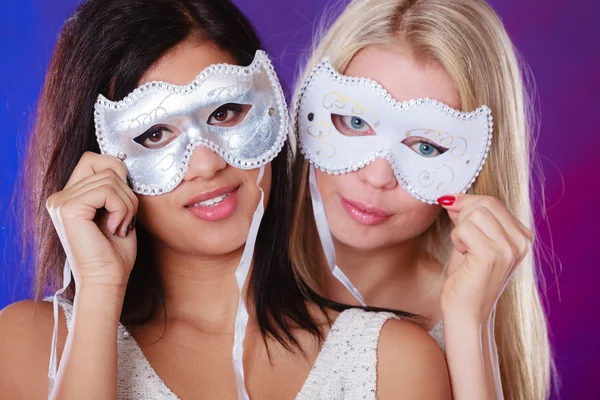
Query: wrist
(110, 276)
(101, 300)
(465, 314)
(458, 318)
(102, 286)
(466, 327)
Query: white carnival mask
(345, 123)
(254, 142)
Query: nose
(204, 164)
(379, 175)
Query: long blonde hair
(470, 42)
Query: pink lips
(364, 213)
(218, 211)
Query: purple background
(559, 40)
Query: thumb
(455, 204)
(452, 204)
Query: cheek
(154, 211)
(328, 184)
(415, 213)
(250, 194)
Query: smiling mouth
(212, 197)
(215, 205)
(211, 202)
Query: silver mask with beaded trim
(344, 123)
(252, 143)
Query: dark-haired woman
(160, 203)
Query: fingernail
(446, 201)
(132, 223)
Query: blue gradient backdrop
(559, 40)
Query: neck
(200, 290)
(397, 277)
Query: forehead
(404, 77)
(185, 61)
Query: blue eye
(426, 149)
(357, 123)
(350, 125)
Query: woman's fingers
(122, 190)
(494, 220)
(92, 163)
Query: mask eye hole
(229, 115)
(424, 147)
(351, 125)
(157, 137)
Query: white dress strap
(346, 367)
(137, 379)
(437, 332)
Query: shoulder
(408, 357)
(25, 338)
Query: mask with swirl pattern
(344, 123)
(126, 128)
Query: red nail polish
(446, 200)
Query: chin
(208, 246)
(213, 249)
(369, 242)
(371, 238)
(221, 238)
(201, 238)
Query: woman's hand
(489, 244)
(94, 216)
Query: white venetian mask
(344, 123)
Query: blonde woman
(381, 214)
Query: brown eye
(221, 115)
(228, 115)
(156, 137)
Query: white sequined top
(437, 332)
(346, 367)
